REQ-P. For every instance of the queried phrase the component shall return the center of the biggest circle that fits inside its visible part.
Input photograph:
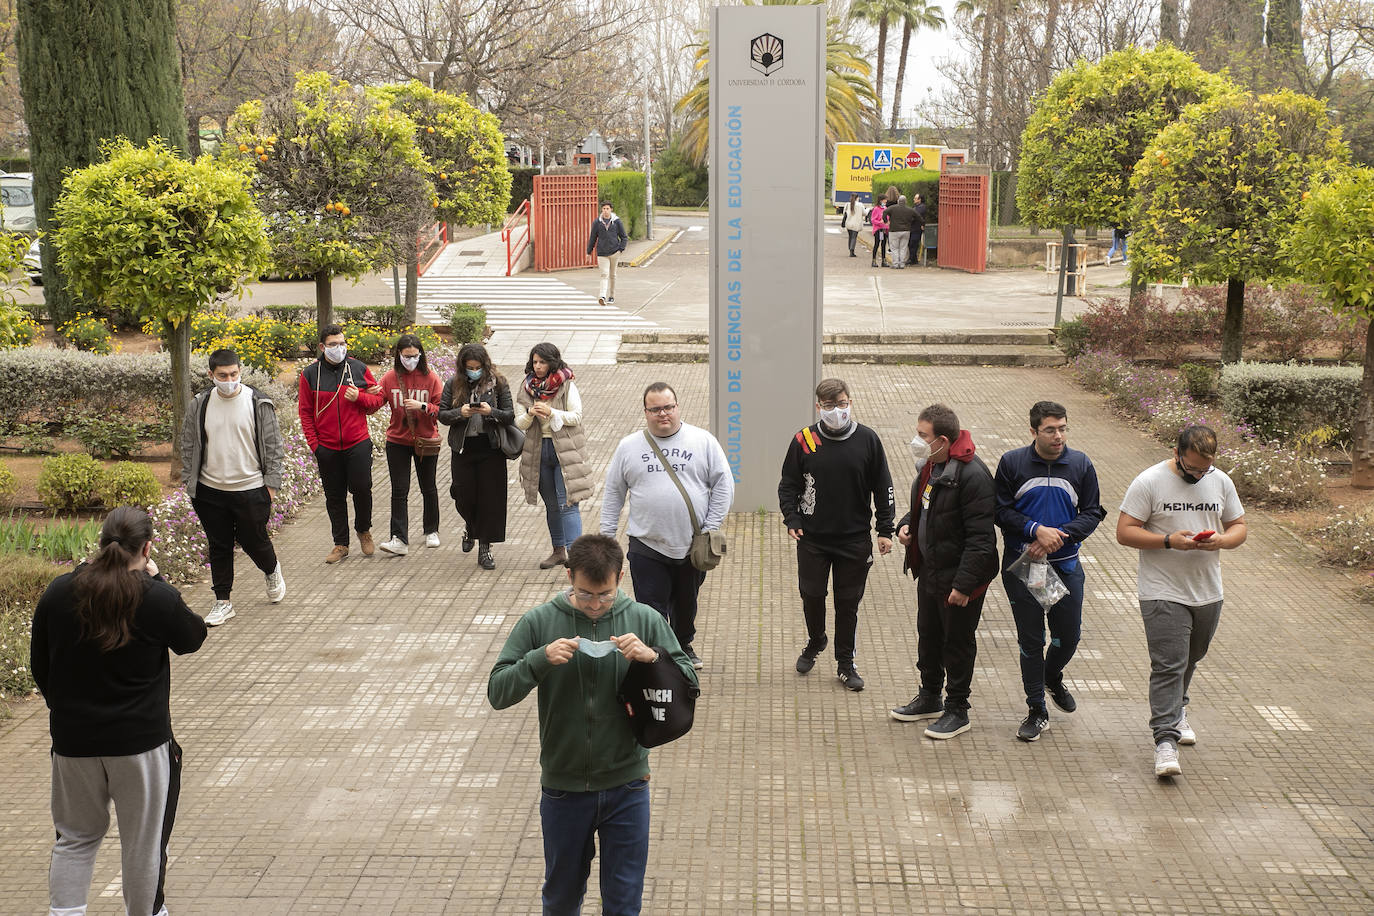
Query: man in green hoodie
(594, 776)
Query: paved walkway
(341, 756)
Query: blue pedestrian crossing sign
(882, 159)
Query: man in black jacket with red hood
(951, 550)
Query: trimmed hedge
(391, 317)
(912, 182)
(468, 322)
(1284, 400)
(521, 185)
(128, 483)
(625, 191)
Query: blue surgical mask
(594, 648)
(473, 374)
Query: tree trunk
(178, 341)
(882, 53)
(1136, 301)
(412, 284)
(999, 82)
(1362, 470)
(901, 74)
(1233, 328)
(1047, 49)
(324, 300)
(1168, 21)
(193, 136)
(980, 115)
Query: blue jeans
(570, 822)
(1066, 624)
(565, 522)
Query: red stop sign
(914, 160)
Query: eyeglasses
(593, 597)
(1196, 472)
(1055, 430)
(661, 411)
(831, 405)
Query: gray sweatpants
(144, 788)
(1178, 636)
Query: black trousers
(398, 460)
(848, 568)
(668, 586)
(228, 516)
(344, 472)
(853, 237)
(479, 489)
(946, 642)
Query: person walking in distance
(951, 550)
(101, 635)
(1179, 514)
(608, 240)
(594, 776)
(412, 390)
(337, 392)
(852, 221)
(834, 470)
(553, 466)
(231, 468)
(473, 404)
(1047, 504)
(659, 526)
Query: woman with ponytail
(99, 656)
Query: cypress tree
(91, 70)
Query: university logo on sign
(882, 159)
(765, 54)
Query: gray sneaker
(1166, 759)
(221, 612)
(1186, 735)
(276, 586)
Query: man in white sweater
(659, 526)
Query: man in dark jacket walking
(952, 554)
(608, 240)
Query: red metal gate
(963, 235)
(561, 212)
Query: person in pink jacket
(411, 389)
(877, 217)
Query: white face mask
(336, 353)
(410, 362)
(836, 417)
(228, 389)
(920, 452)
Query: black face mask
(1187, 478)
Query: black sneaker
(849, 677)
(468, 543)
(1033, 726)
(1061, 696)
(922, 706)
(485, 559)
(807, 660)
(692, 657)
(952, 723)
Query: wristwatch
(1166, 543)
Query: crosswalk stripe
(524, 304)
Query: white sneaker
(276, 586)
(221, 612)
(394, 546)
(1186, 735)
(432, 539)
(1166, 759)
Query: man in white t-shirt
(1178, 514)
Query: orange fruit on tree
(243, 147)
(429, 130)
(258, 149)
(262, 158)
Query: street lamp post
(428, 67)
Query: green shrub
(677, 182)
(293, 314)
(468, 322)
(390, 317)
(17, 326)
(912, 182)
(67, 482)
(1201, 381)
(86, 332)
(428, 337)
(34, 438)
(127, 483)
(107, 436)
(23, 580)
(1072, 338)
(9, 484)
(1285, 400)
(625, 191)
(521, 185)
(367, 344)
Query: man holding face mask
(337, 392)
(833, 472)
(1178, 514)
(951, 550)
(575, 650)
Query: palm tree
(850, 101)
(879, 13)
(915, 15)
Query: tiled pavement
(341, 756)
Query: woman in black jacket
(99, 656)
(475, 401)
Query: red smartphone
(1203, 535)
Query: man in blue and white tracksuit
(1047, 504)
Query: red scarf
(546, 388)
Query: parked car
(16, 195)
(33, 263)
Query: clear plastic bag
(1040, 579)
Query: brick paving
(341, 756)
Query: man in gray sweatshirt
(659, 526)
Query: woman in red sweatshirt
(411, 389)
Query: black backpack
(659, 699)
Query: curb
(644, 256)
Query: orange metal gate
(561, 212)
(963, 224)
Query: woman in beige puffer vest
(554, 463)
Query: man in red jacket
(335, 398)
